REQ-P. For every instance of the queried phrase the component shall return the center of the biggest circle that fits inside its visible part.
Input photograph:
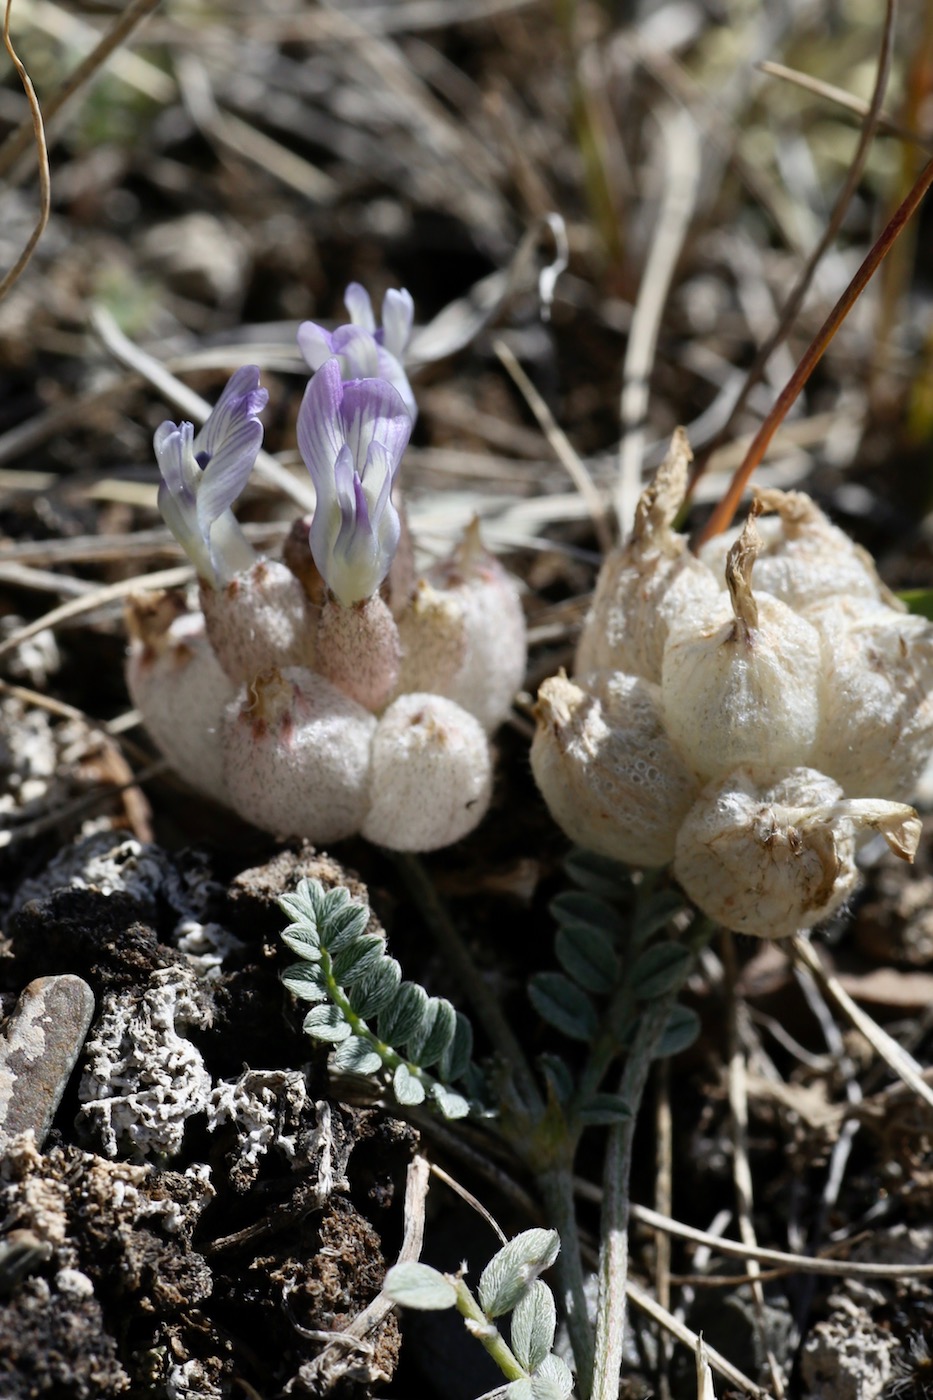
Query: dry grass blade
(680, 141)
(690, 1339)
(75, 607)
(561, 446)
(887, 126)
(894, 1055)
(471, 1201)
(854, 174)
(37, 131)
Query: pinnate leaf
(564, 1005)
(659, 969)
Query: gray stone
(39, 1045)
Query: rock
(39, 1046)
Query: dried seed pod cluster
(334, 692)
(744, 715)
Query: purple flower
(352, 435)
(204, 472)
(364, 350)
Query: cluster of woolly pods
(745, 715)
(332, 692)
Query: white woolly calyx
(261, 618)
(431, 776)
(297, 754)
(740, 682)
(177, 685)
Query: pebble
(39, 1046)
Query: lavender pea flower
(203, 473)
(352, 435)
(365, 350)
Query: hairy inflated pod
(297, 756)
(771, 854)
(648, 582)
(610, 776)
(431, 775)
(740, 682)
(804, 558)
(260, 618)
(358, 649)
(177, 684)
(471, 586)
(876, 730)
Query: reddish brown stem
(721, 517)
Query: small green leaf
(305, 981)
(327, 1023)
(356, 958)
(419, 1286)
(574, 907)
(604, 1109)
(356, 1056)
(563, 1005)
(343, 926)
(534, 1321)
(558, 1076)
(598, 875)
(376, 989)
(517, 1264)
(438, 1033)
(654, 914)
(303, 940)
(404, 1015)
(450, 1104)
(918, 600)
(455, 1060)
(659, 969)
(408, 1089)
(586, 954)
(552, 1380)
(681, 1031)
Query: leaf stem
(556, 1188)
(488, 1333)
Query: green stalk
(487, 1332)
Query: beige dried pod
(740, 682)
(648, 582)
(608, 772)
(432, 632)
(297, 755)
(771, 854)
(261, 618)
(492, 665)
(431, 775)
(358, 649)
(804, 558)
(177, 684)
(876, 730)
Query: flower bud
(876, 730)
(494, 655)
(176, 683)
(740, 683)
(431, 775)
(296, 756)
(648, 582)
(610, 776)
(770, 854)
(358, 650)
(261, 618)
(804, 558)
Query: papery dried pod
(261, 618)
(769, 854)
(432, 632)
(297, 756)
(610, 776)
(648, 582)
(876, 732)
(740, 682)
(177, 684)
(492, 666)
(431, 775)
(804, 558)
